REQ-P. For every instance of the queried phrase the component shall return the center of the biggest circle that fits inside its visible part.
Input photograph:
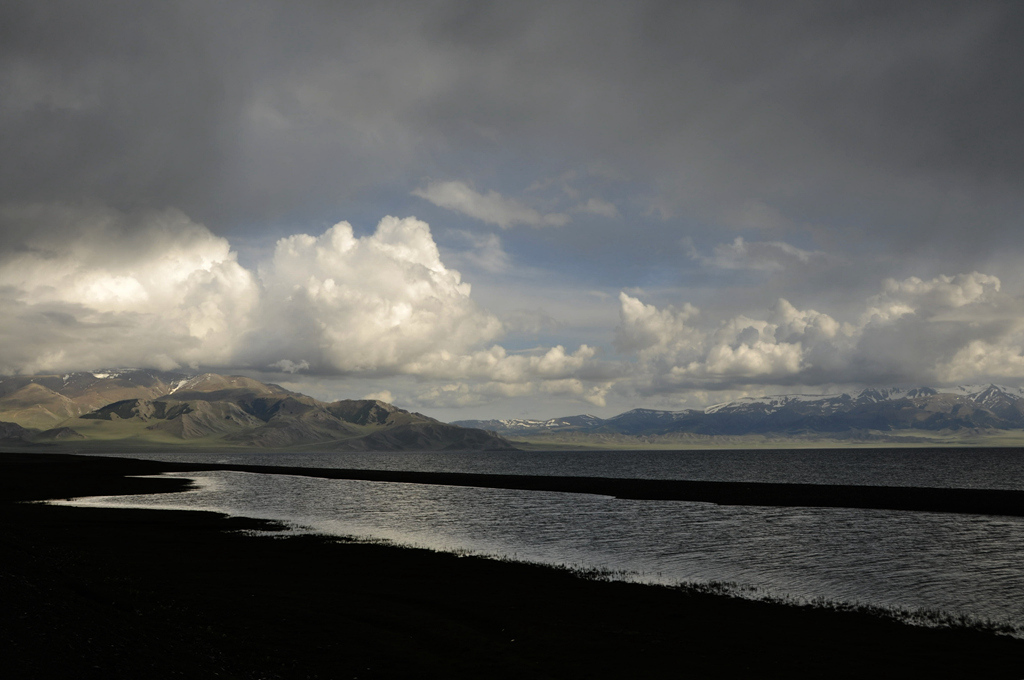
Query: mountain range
(888, 414)
(142, 409)
(131, 409)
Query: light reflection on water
(955, 563)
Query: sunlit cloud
(383, 304)
(375, 303)
(928, 332)
(171, 294)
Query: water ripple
(968, 564)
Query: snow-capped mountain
(874, 409)
(524, 425)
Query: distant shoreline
(97, 592)
(966, 501)
(997, 439)
(909, 439)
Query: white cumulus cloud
(651, 332)
(159, 290)
(936, 331)
(169, 294)
(927, 298)
(376, 303)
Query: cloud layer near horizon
(940, 331)
(170, 294)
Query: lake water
(969, 565)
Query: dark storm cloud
(109, 102)
(833, 115)
(842, 116)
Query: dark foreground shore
(115, 593)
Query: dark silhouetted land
(118, 593)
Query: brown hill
(147, 409)
(35, 405)
(44, 401)
(12, 432)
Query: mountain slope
(46, 400)
(212, 410)
(886, 410)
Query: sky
(479, 210)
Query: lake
(956, 564)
